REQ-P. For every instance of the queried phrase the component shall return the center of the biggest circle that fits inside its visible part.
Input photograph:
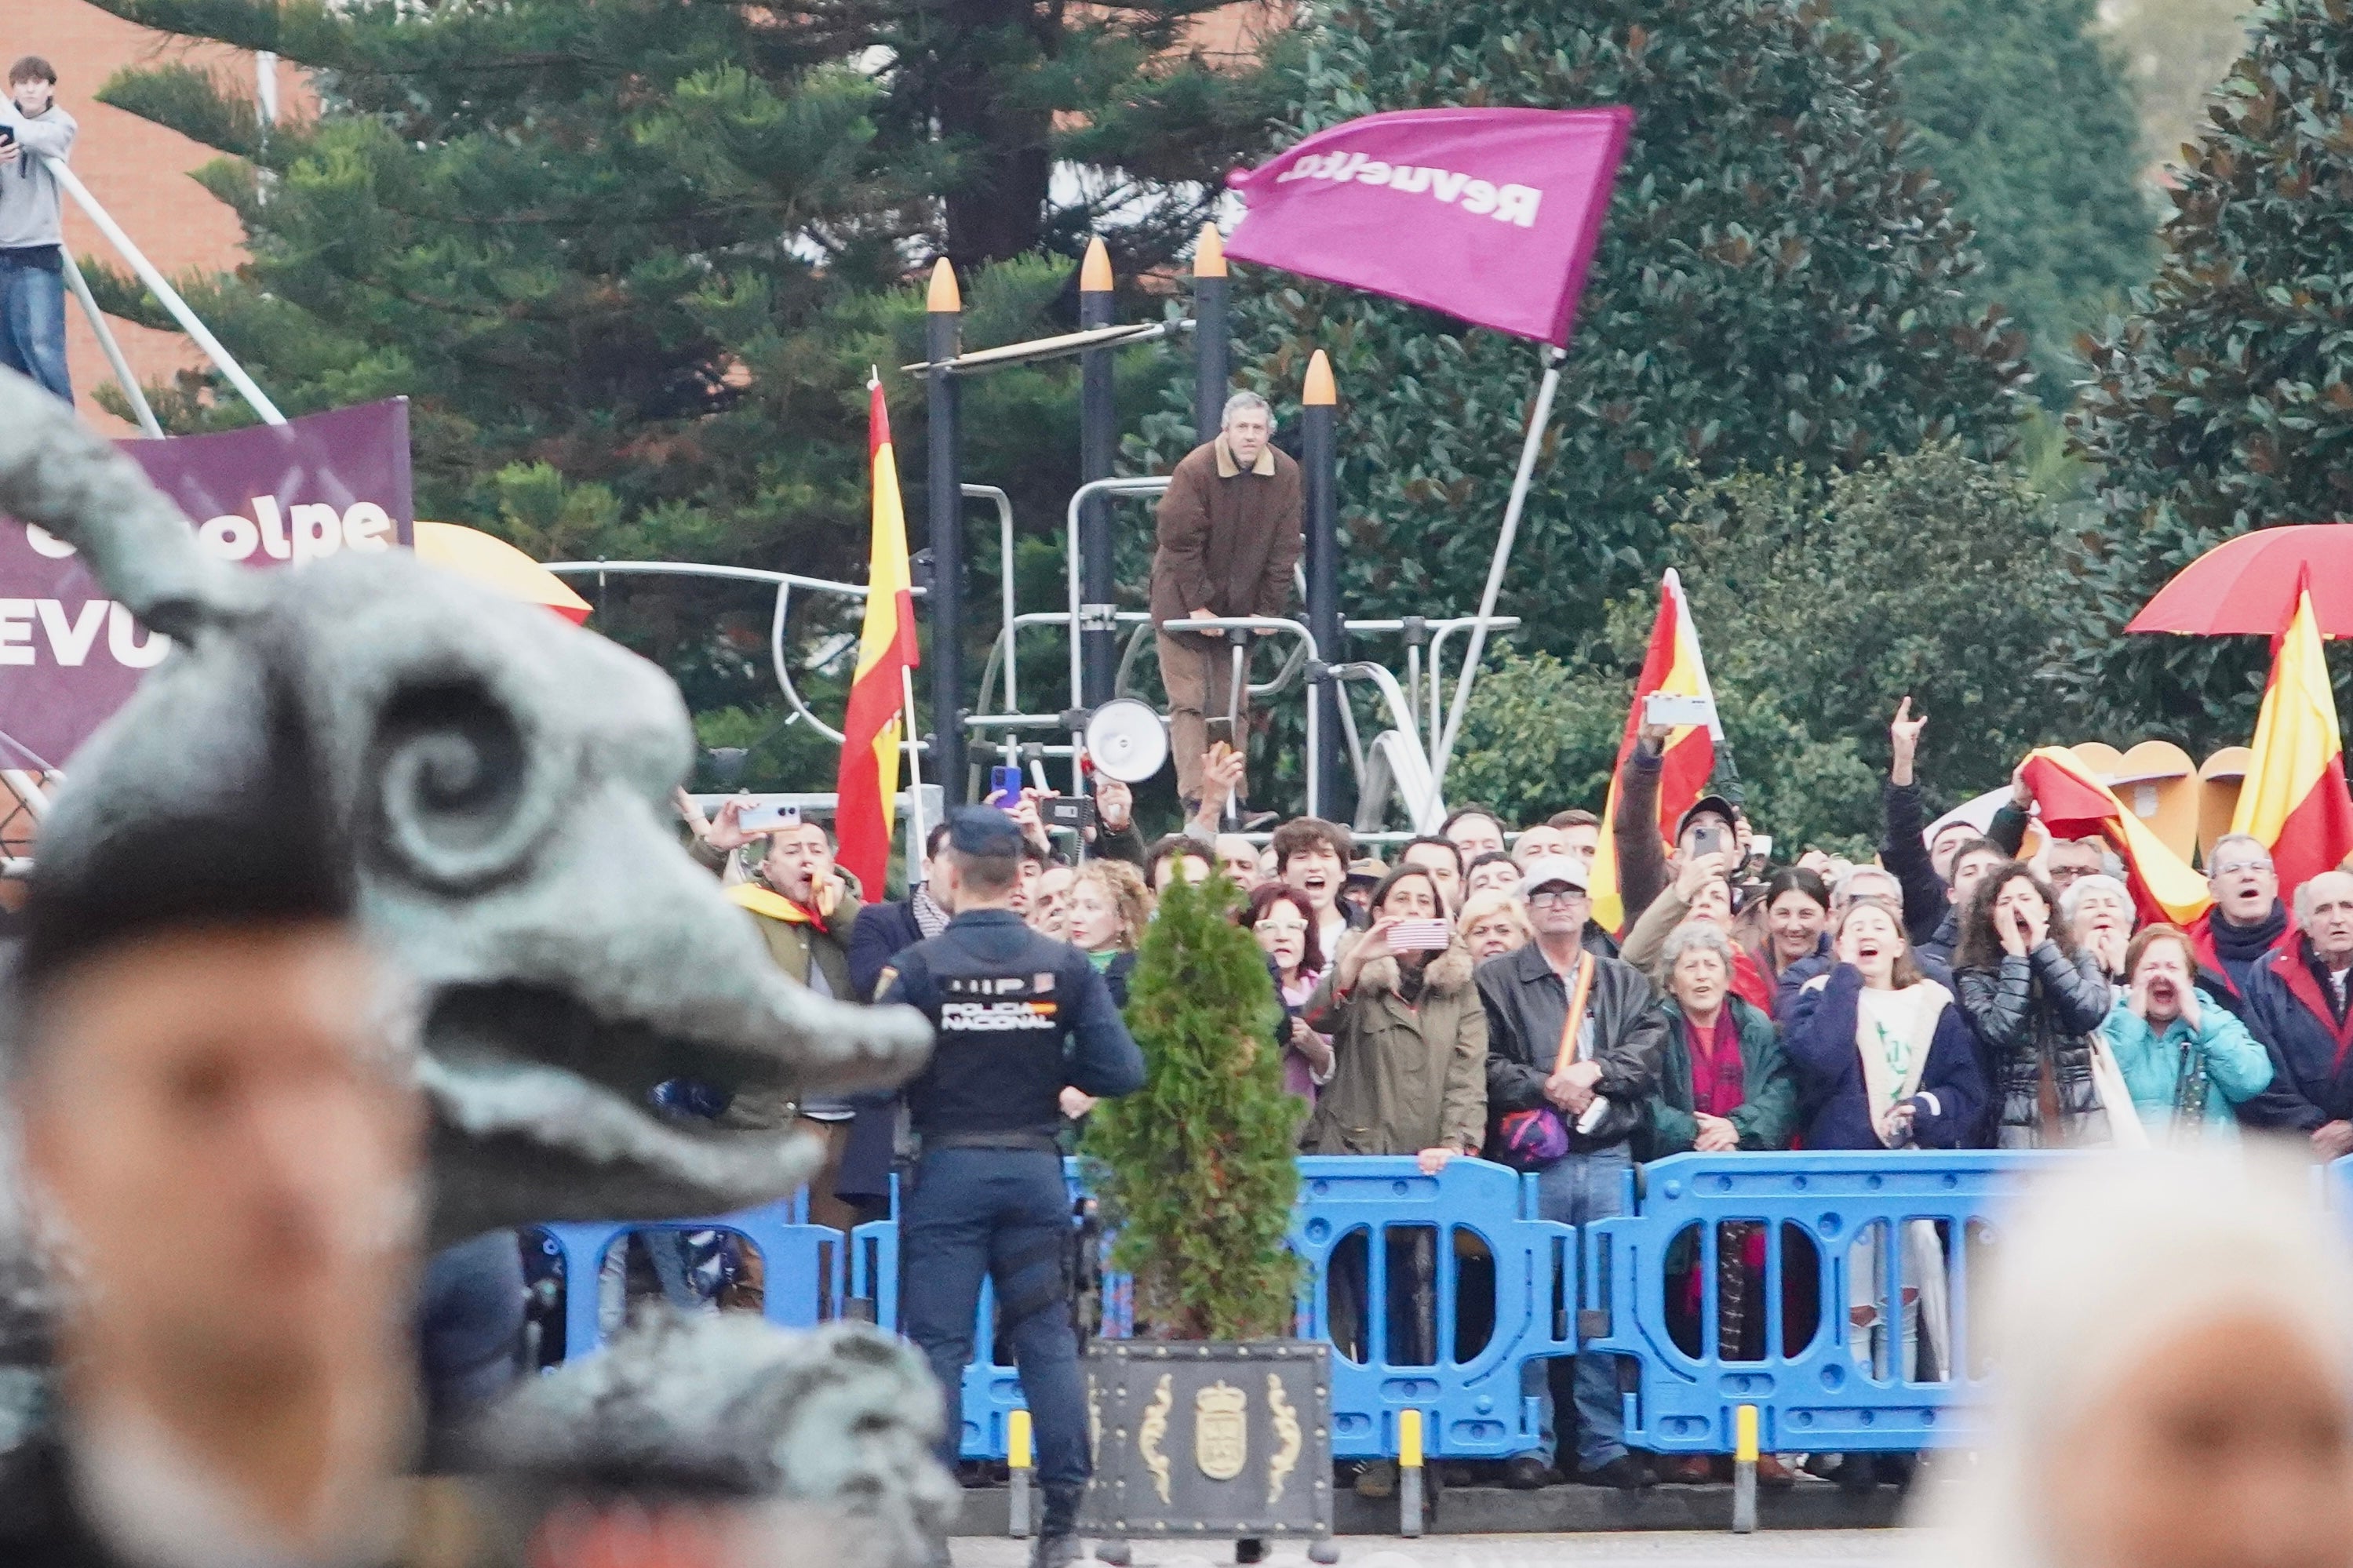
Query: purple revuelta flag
(1486, 214)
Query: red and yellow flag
(2075, 804)
(2295, 798)
(1673, 667)
(869, 783)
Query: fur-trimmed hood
(1448, 973)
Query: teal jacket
(2237, 1068)
(1767, 1117)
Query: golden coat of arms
(1220, 1431)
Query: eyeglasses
(1556, 895)
(2240, 868)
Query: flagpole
(1538, 420)
(916, 830)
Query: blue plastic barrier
(1845, 1385)
(803, 1268)
(1820, 1379)
(1471, 1405)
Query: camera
(1072, 811)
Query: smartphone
(1710, 840)
(1675, 711)
(1760, 849)
(1005, 787)
(768, 818)
(1420, 936)
(1067, 811)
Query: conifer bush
(1195, 1171)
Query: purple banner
(270, 496)
(1486, 214)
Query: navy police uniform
(1016, 1016)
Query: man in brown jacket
(1228, 539)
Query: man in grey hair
(1228, 538)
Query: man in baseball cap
(1571, 1029)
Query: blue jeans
(1574, 1190)
(33, 321)
(1003, 1212)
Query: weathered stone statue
(497, 780)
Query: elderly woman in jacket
(1408, 1077)
(1723, 1082)
(2035, 1001)
(1882, 1060)
(2186, 1062)
(1724, 1085)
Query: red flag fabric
(2075, 804)
(869, 783)
(2294, 800)
(1671, 666)
(1490, 215)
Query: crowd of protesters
(1459, 998)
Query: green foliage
(631, 262)
(1197, 1173)
(2225, 402)
(1820, 605)
(1775, 285)
(2022, 112)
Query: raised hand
(1904, 742)
(726, 830)
(1115, 804)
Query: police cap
(982, 830)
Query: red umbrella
(2246, 587)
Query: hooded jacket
(1527, 1007)
(1405, 1076)
(2223, 954)
(2287, 1009)
(1767, 1117)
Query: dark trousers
(1003, 1212)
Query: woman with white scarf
(1884, 1060)
(2176, 1384)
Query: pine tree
(631, 259)
(2224, 403)
(2023, 111)
(1775, 285)
(1196, 1169)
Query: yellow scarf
(775, 906)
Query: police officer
(1017, 1017)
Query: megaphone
(1126, 740)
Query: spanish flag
(869, 783)
(1671, 667)
(2075, 804)
(2295, 798)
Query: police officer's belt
(1032, 1142)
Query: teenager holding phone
(31, 227)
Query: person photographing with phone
(806, 906)
(1408, 1044)
(31, 227)
(1712, 826)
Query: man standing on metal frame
(31, 227)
